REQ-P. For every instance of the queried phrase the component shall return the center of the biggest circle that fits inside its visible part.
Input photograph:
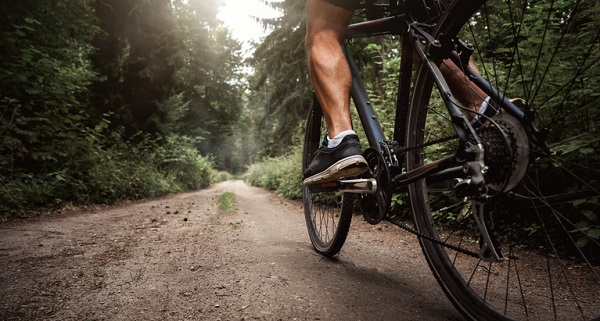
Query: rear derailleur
(473, 187)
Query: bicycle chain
(432, 142)
(434, 240)
(429, 143)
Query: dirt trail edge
(180, 258)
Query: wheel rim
(327, 214)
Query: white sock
(485, 105)
(333, 142)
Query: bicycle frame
(487, 199)
(396, 26)
(431, 52)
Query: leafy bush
(83, 171)
(181, 161)
(220, 176)
(281, 174)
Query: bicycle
(505, 208)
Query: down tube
(365, 110)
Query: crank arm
(490, 250)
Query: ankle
(484, 105)
(333, 142)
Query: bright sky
(237, 15)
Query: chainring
(375, 206)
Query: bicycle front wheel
(328, 214)
(548, 223)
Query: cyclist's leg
(467, 94)
(327, 21)
(331, 81)
(328, 214)
(329, 71)
(462, 88)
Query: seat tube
(404, 87)
(363, 105)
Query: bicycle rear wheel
(548, 53)
(328, 214)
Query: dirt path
(179, 258)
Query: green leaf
(33, 21)
(582, 241)
(594, 233)
(590, 215)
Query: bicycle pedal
(324, 187)
(358, 185)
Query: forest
(109, 100)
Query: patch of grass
(120, 252)
(137, 275)
(227, 203)
(98, 282)
(235, 225)
(99, 279)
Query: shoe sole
(347, 167)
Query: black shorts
(346, 4)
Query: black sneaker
(331, 164)
(520, 103)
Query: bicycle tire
(548, 272)
(328, 214)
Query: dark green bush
(83, 171)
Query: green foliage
(136, 57)
(282, 174)
(168, 68)
(182, 161)
(209, 82)
(282, 93)
(90, 174)
(44, 75)
(588, 228)
(107, 100)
